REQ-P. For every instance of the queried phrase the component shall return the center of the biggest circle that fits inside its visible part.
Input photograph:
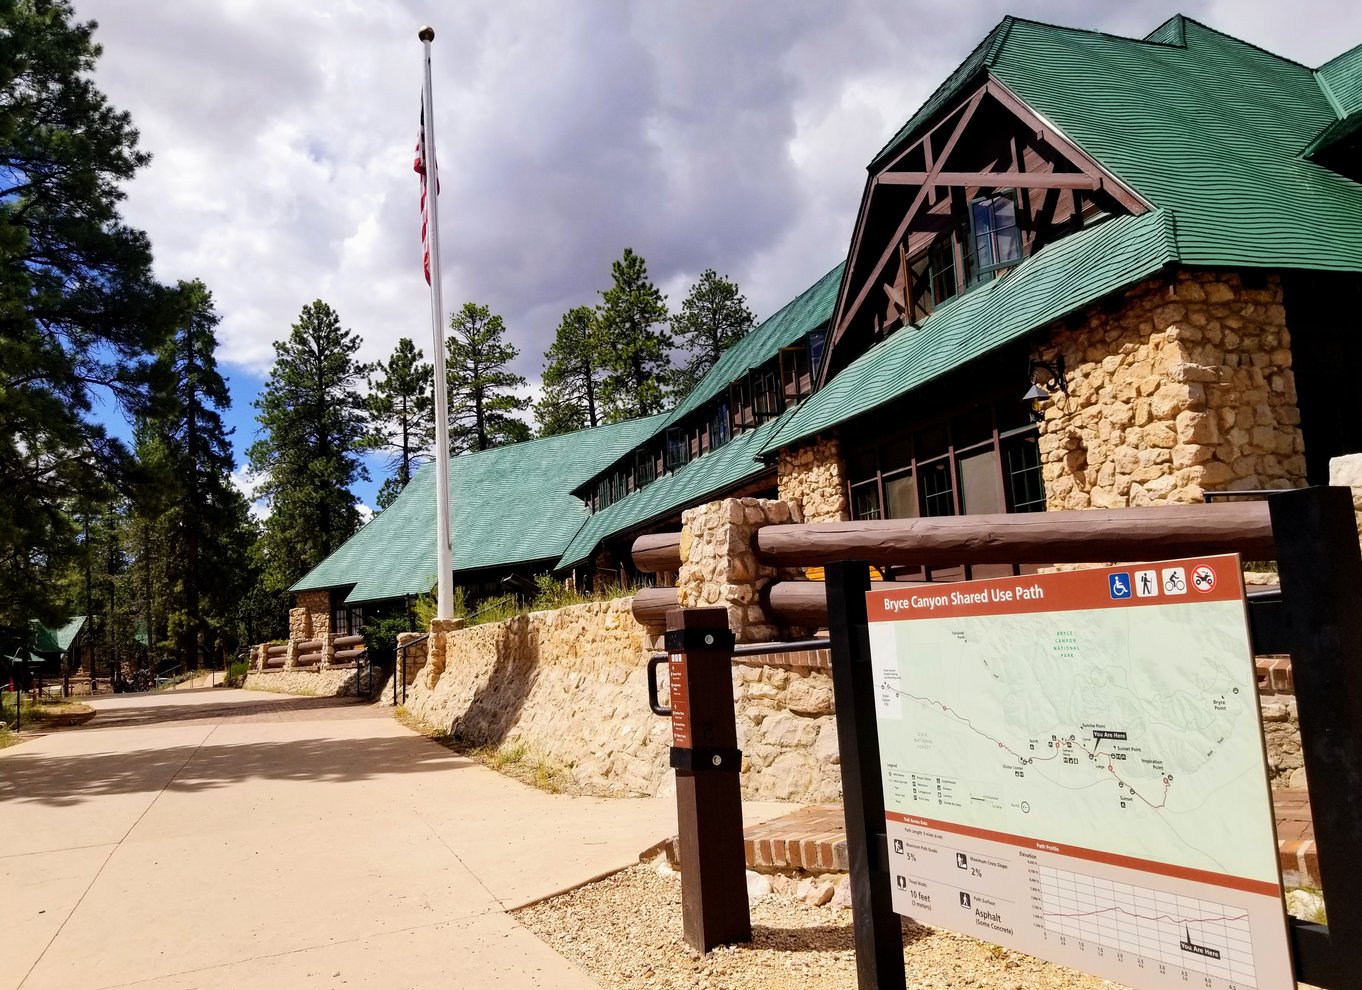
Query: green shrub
(236, 673)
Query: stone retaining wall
(334, 682)
(570, 685)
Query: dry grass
(514, 759)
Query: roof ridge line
(1328, 91)
(1342, 54)
(1247, 44)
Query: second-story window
(645, 468)
(678, 448)
(719, 426)
(766, 398)
(995, 238)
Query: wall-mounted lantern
(1047, 378)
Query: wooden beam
(1046, 132)
(995, 180)
(657, 552)
(1083, 536)
(844, 316)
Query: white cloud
(249, 486)
(701, 133)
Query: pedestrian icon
(1119, 584)
(902, 882)
(964, 899)
(898, 846)
(962, 861)
(1146, 584)
(1174, 581)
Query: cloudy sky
(702, 133)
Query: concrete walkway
(237, 839)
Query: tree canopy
(633, 341)
(400, 406)
(311, 417)
(712, 318)
(573, 372)
(482, 399)
(80, 313)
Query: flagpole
(443, 560)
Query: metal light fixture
(1047, 378)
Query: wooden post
(1321, 575)
(705, 757)
(876, 929)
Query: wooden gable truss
(988, 142)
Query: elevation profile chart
(1157, 927)
(1073, 767)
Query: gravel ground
(626, 932)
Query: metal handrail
(402, 649)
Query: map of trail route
(1075, 761)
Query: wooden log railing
(1083, 536)
(657, 552)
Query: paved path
(237, 839)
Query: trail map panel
(1073, 766)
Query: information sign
(1073, 766)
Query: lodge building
(1090, 271)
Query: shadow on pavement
(70, 780)
(156, 712)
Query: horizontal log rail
(278, 651)
(275, 661)
(658, 552)
(308, 660)
(1073, 537)
(309, 645)
(346, 642)
(651, 606)
(343, 655)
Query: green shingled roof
(508, 505)
(697, 482)
(807, 311)
(1196, 122)
(58, 640)
(1341, 80)
(1054, 281)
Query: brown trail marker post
(707, 762)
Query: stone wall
(813, 477)
(719, 568)
(570, 685)
(310, 615)
(331, 683)
(1185, 387)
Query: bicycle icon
(1174, 581)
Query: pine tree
(80, 312)
(312, 419)
(713, 317)
(572, 370)
(204, 512)
(556, 415)
(482, 402)
(634, 342)
(401, 416)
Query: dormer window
(995, 239)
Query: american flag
(419, 166)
